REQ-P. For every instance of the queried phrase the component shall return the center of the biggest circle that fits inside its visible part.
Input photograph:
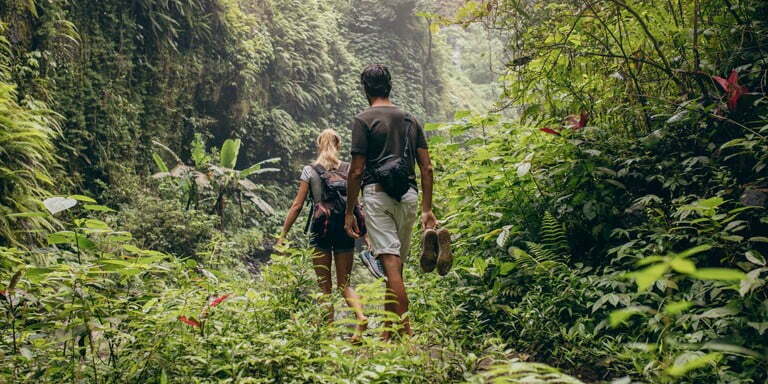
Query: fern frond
(539, 260)
(542, 253)
(553, 234)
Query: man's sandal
(429, 250)
(445, 258)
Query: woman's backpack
(328, 211)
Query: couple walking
(387, 144)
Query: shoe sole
(445, 259)
(367, 263)
(429, 253)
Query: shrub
(164, 225)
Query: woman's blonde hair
(328, 144)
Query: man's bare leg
(393, 267)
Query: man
(380, 133)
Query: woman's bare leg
(343, 271)
(321, 260)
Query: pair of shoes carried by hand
(436, 251)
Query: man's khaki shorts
(389, 222)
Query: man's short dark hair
(376, 80)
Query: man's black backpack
(328, 211)
(392, 172)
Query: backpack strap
(408, 121)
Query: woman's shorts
(335, 241)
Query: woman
(327, 176)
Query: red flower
(577, 122)
(550, 131)
(732, 87)
(189, 321)
(218, 300)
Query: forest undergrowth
(608, 215)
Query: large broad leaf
(247, 184)
(229, 153)
(263, 205)
(257, 170)
(58, 204)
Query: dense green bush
(166, 226)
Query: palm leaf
(229, 152)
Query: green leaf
(646, 277)
(730, 348)
(755, 257)
(461, 114)
(505, 268)
(28, 214)
(711, 203)
(99, 208)
(229, 152)
(695, 250)
(649, 260)
(85, 243)
(683, 367)
(36, 275)
(677, 307)
(724, 274)
(120, 236)
(82, 198)
(159, 162)
(96, 224)
(63, 237)
(256, 169)
(683, 265)
(621, 316)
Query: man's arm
(428, 219)
(354, 180)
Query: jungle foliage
(608, 211)
(639, 138)
(272, 73)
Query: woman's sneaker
(445, 258)
(429, 252)
(372, 263)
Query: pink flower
(218, 300)
(577, 122)
(732, 88)
(550, 131)
(189, 321)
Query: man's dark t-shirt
(378, 132)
